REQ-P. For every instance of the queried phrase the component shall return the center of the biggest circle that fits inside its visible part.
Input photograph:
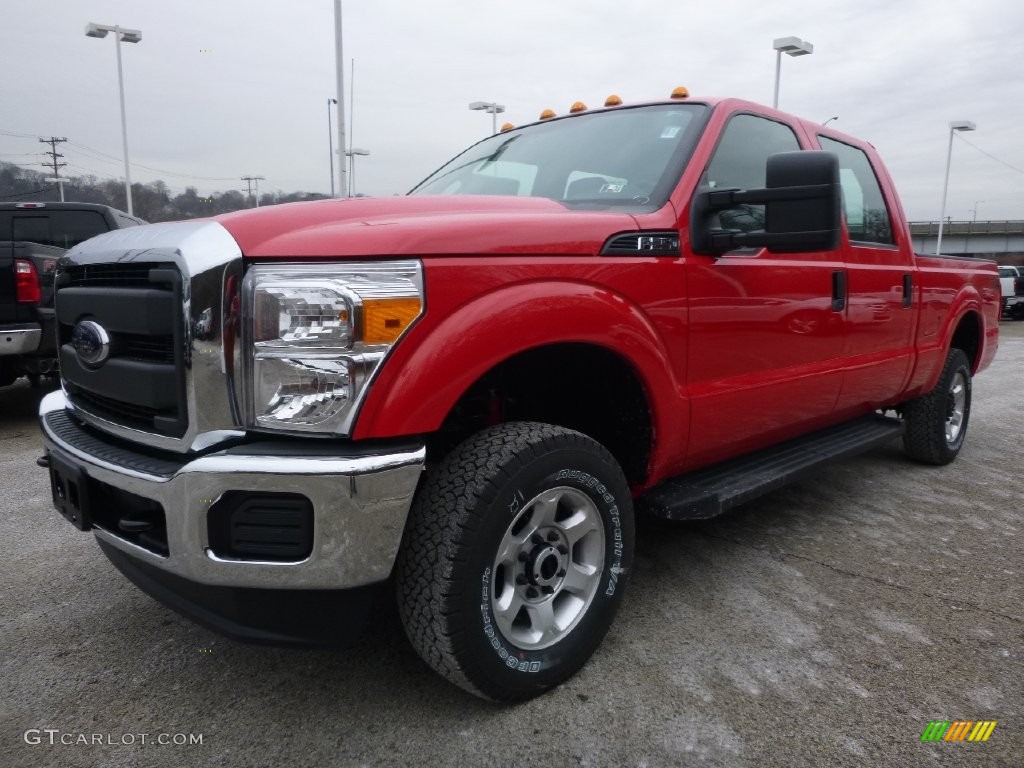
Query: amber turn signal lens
(384, 320)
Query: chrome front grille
(166, 297)
(140, 308)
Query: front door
(765, 337)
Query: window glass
(63, 229)
(32, 229)
(740, 161)
(629, 157)
(867, 219)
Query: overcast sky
(218, 89)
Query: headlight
(316, 336)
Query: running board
(712, 491)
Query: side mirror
(802, 203)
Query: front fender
(445, 354)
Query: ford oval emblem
(91, 343)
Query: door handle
(908, 290)
(838, 290)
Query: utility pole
(53, 141)
(249, 183)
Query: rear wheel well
(967, 337)
(577, 386)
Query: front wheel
(515, 559)
(936, 423)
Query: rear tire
(936, 423)
(515, 558)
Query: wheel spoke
(544, 510)
(505, 611)
(510, 548)
(579, 525)
(542, 619)
(579, 579)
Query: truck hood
(423, 225)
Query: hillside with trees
(152, 202)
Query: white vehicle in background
(1011, 281)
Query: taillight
(26, 282)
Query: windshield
(630, 157)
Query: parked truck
(1011, 281)
(469, 392)
(33, 236)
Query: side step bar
(709, 492)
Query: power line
(18, 135)
(151, 168)
(986, 154)
(22, 194)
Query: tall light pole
(956, 125)
(352, 168)
(974, 210)
(491, 107)
(339, 64)
(128, 36)
(330, 141)
(793, 46)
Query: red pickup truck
(470, 391)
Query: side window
(739, 161)
(867, 218)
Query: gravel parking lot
(825, 625)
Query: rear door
(881, 301)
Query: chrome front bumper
(360, 504)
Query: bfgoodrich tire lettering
(515, 559)
(936, 423)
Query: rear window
(1007, 272)
(63, 229)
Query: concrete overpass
(1002, 241)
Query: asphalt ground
(825, 625)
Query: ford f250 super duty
(469, 392)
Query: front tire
(515, 558)
(936, 423)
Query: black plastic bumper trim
(307, 618)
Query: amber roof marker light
(613, 101)
(680, 93)
(547, 114)
(577, 106)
